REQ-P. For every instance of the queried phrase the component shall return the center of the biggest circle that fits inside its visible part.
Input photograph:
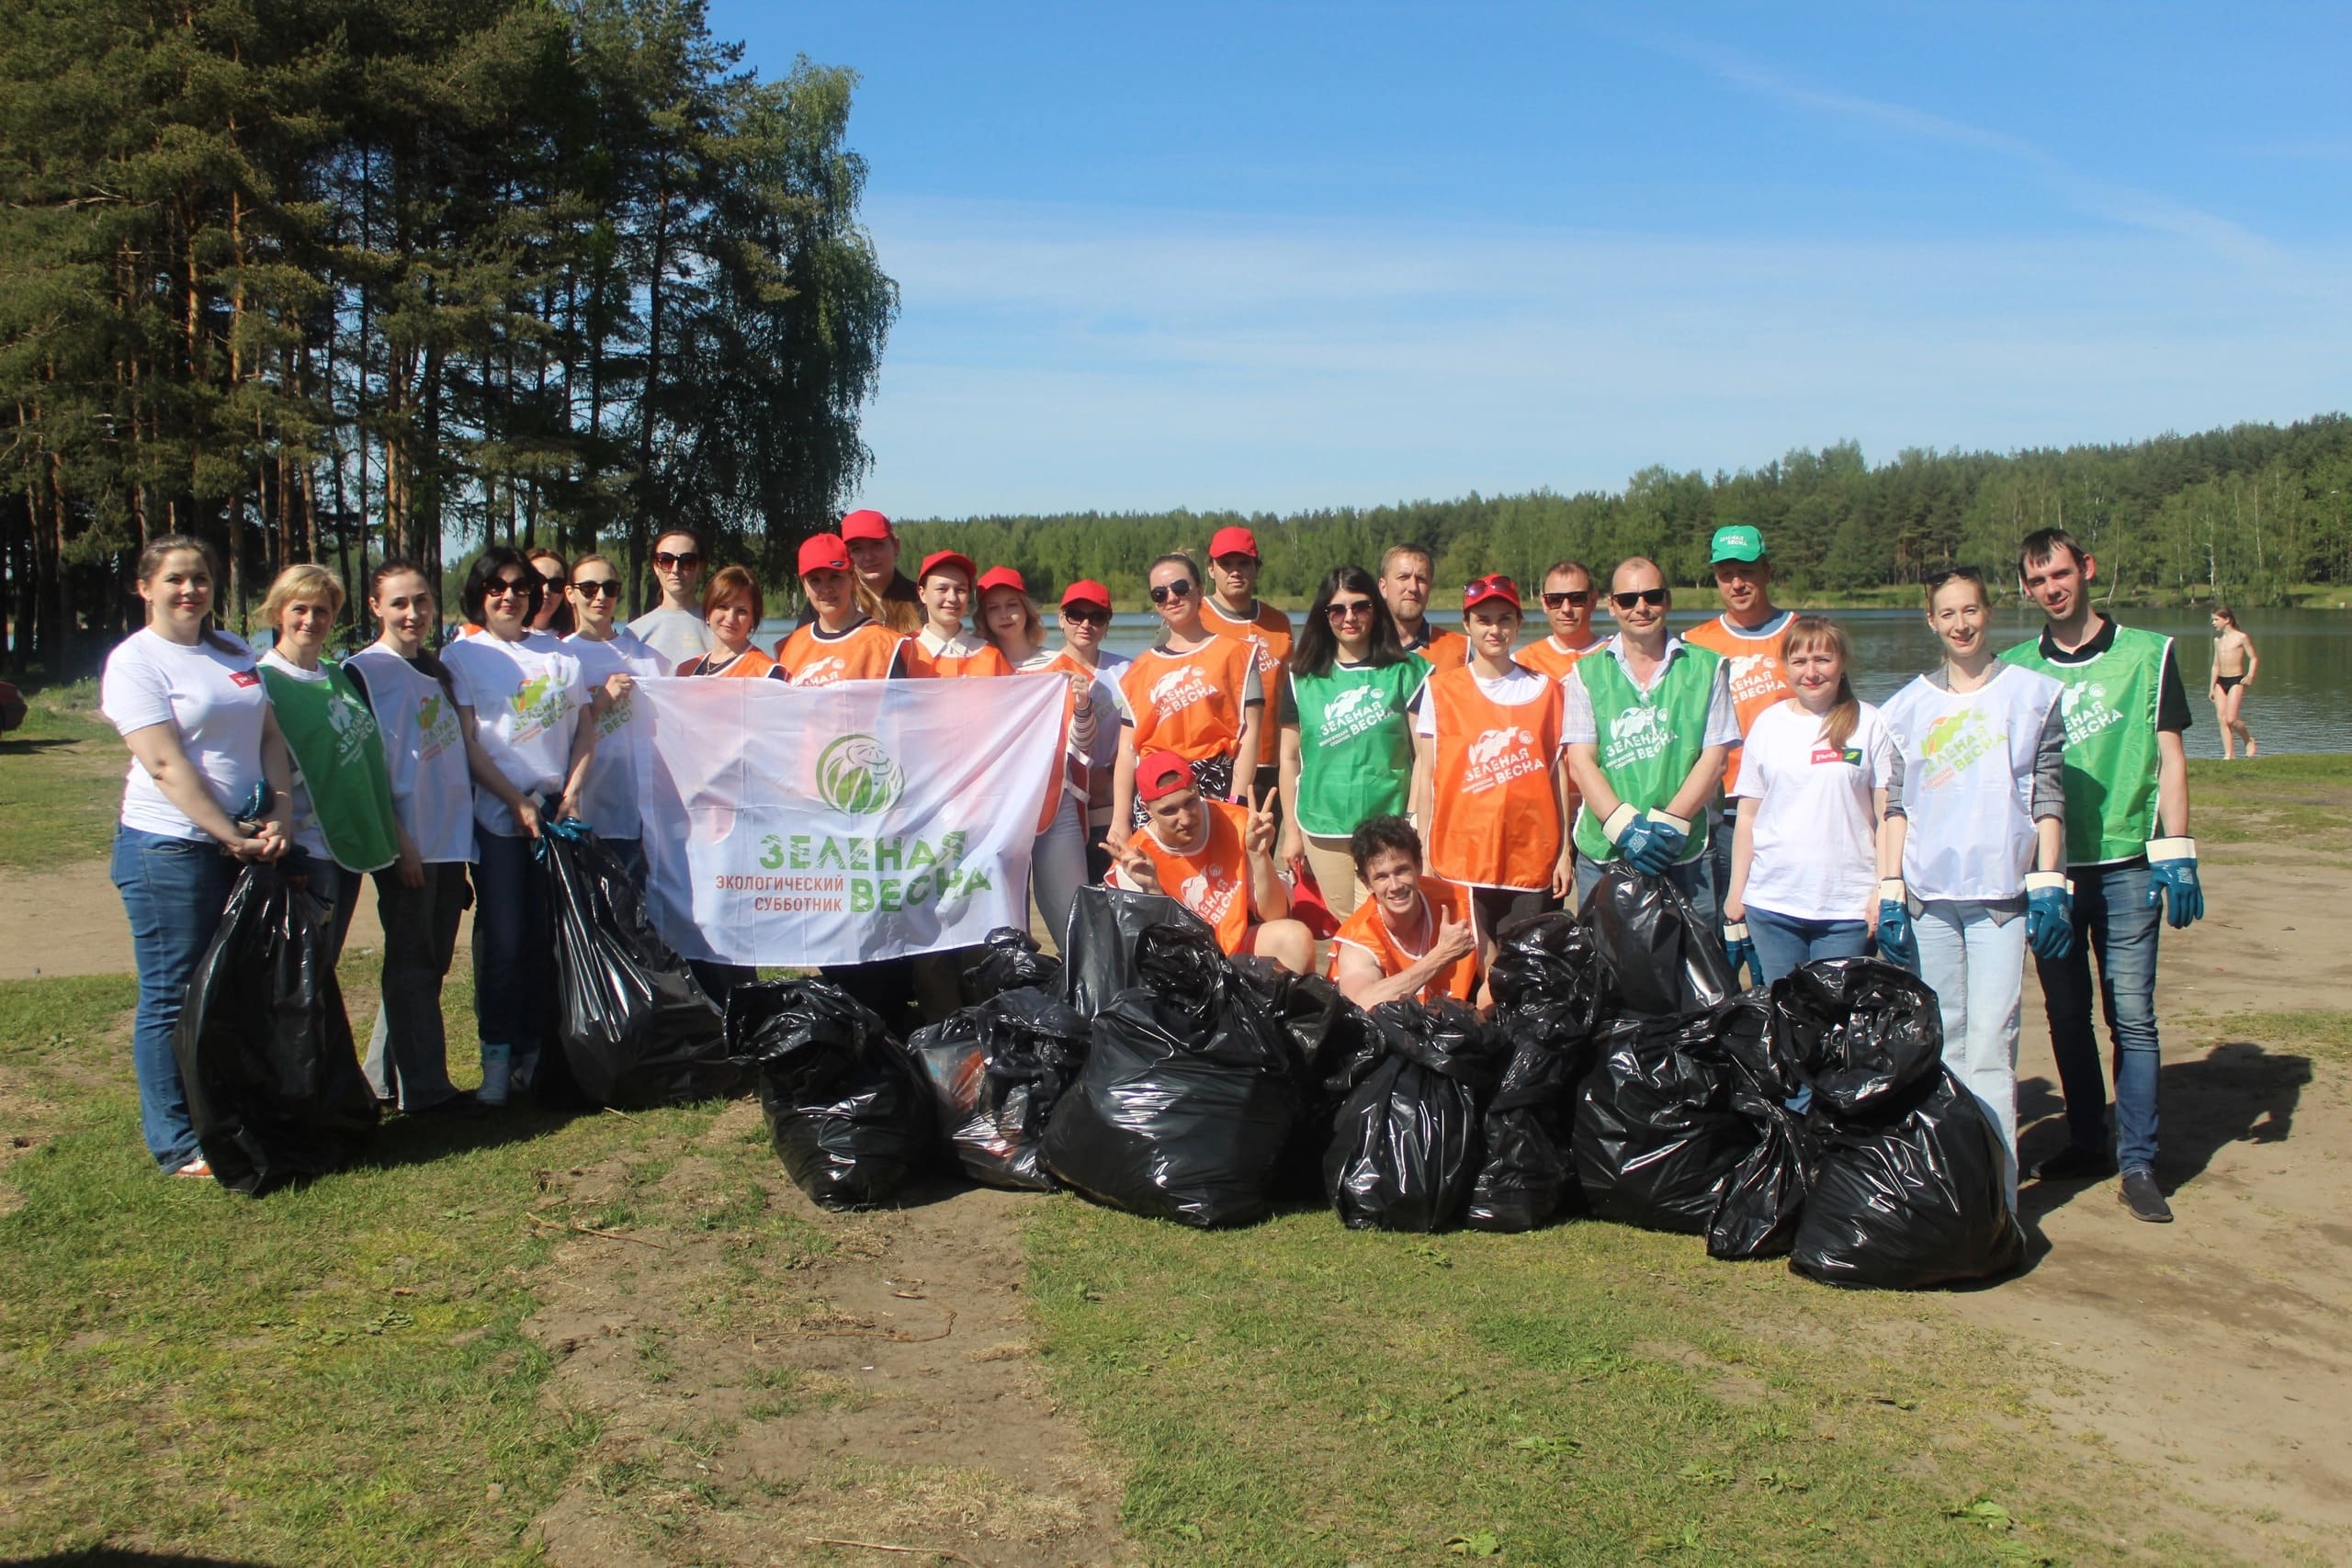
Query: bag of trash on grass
(274, 1087)
(1099, 943)
(1191, 1088)
(1656, 1138)
(1009, 959)
(1764, 1196)
(1550, 985)
(1664, 963)
(995, 1072)
(848, 1112)
(1406, 1143)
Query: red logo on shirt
(245, 678)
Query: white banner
(800, 826)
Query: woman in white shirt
(1012, 627)
(1805, 856)
(190, 707)
(531, 714)
(1976, 830)
(612, 658)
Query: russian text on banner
(800, 826)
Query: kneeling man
(1215, 859)
(1411, 939)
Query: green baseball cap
(1737, 542)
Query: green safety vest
(1355, 745)
(332, 734)
(2109, 704)
(1649, 741)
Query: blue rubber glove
(2049, 914)
(1740, 950)
(1648, 840)
(2172, 880)
(1897, 943)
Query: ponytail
(426, 661)
(1845, 714)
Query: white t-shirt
(527, 700)
(425, 751)
(302, 828)
(1816, 856)
(212, 696)
(676, 634)
(1517, 689)
(608, 800)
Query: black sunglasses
(670, 562)
(1089, 618)
(597, 588)
(1179, 589)
(498, 587)
(1573, 596)
(1341, 609)
(1655, 596)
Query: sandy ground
(2214, 1354)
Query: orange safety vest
(922, 664)
(1214, 881)
(749, 665)
(1271, 627)
(1543, 657)
(1760, 675)
(1496, 816)
(1445, 648)
(1190, 702)
(1368, 931)
(868, 652)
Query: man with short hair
(1233, 609)
(1648, 722)
(874, 553)
(2128, 851)
(675, 628)
(1752, 634)
(1215, 859)
(1411, 939)
(1567, 607)
(1405, 577)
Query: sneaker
(2139, 1194)
(497, 1068)
(2075, 1163)
(461, 1105)
(197, 1169)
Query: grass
(2325, 1032)
(1300, 1394)
(61, 778)
(2298, 799)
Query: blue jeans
(174, 891)
(1783, 941)
(1975, 965)
(513, 943)
(1693, 878)
(2111, 918)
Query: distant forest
(2244, 514)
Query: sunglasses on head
(1652, 596)
(1344, 609)
(1179, 589)
(598, 587)
(1089, 617)
(1573, 596)
(671, 563)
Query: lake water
(2302, 700)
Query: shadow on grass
(115, 1557)
(43, 743)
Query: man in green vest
(1648, 722)
(2130, 854)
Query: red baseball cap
(1002, 577)
(1233, 541)
(867, 525)
(1161, 773)
(823, 552)
(938, 559)
(1498, 586)
(1086, 591)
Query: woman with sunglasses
(1488, 776)
(1347, 737)
(841, 642)
(554, 614)
(675, 628)
(1196, 694)
(612, 659)
(732, 609)
(523, 696)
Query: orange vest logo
(1180, 689)
(829, 671)
(1499, 756)
(1208, 893)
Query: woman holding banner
(730, 608)
(843, 643)
(1196, 694)
(1058, 860)
(943, 650)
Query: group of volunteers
(1371, 795)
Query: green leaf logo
(855, 774)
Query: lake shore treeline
(2252, 514)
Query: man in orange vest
(1217, 860)
(1752, 636)
(1412, 938)
(1405, 577)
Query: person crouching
(1411, 939)
(1217, 860)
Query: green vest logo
(856, 776)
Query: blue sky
(1286, 255)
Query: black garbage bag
(1762, 1200)
(1337, 1044)
(995, 1072)
(1548, 976)
(1906, 1184)
(1551, 988)
(1664, 963)
(1009, 959)
(847, 1111)
(1099, 943)
(1189, 1094)
(634, 1027)
(1657, 1138)
(274, 1087)
(1406, 1143)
